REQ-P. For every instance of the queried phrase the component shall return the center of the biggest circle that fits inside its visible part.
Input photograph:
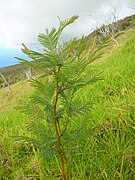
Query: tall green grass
(16, 158)
(109, 151)
(106, 151)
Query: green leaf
(66, 22)
(24, 61)
(49, 40)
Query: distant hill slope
(13, 74)
(118, 70)
(16, 73)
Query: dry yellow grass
(8, 100)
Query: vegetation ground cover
(108, 151)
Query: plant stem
(57, 129)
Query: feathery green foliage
(55, 102)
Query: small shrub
(55, 103)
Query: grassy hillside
(16, 73)
(108, 151)
(12, 74)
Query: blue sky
(22, 20)
(7, 56)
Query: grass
(8, 101)
(106, 152)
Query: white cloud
(22, 20)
